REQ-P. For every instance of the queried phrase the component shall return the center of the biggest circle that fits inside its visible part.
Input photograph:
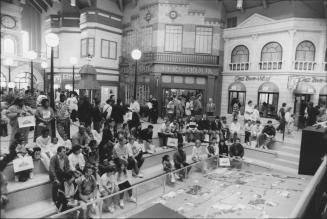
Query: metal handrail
(307, 195)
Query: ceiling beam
(49, 3)
(43, 5)
(264, 4)
(36, 6)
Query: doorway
(300, 103)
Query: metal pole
(44, 80)
(73, 78)
(52, 104)
(32, 76)
(9, 75)
(135, 80)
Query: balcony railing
(305, 66)
(243, 66)
(270, 65)
(177, 58)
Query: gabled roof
(254, 20)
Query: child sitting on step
(168, 167)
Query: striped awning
(237, 86)
(268, 87)
(304, 88)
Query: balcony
(189, 59)
(306, 66)
(270, 65)
(243, 66)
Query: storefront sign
(69, 77)
(309, 79)
(183, 69)
(252, 78)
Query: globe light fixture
(52, 40)
(31, 55)
(136, 54)
(44, 64)
(11, 84)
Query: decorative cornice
(197, 12)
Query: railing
(176, 58)
(243, 66)
(305, 66)
(308, 194)
(270, 65)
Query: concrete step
(289, 156)
(286, 163)
(288, 149)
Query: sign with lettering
(309, 79)
(184, 69)
(252, 78)
(69, 77)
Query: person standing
(118, 113)
(96, 116)
(63, 116)
(255, 115)
(211, 107)
(197, 105)
(170, 109)
(248, 111)
(281, 118)
(236, 106)
(154, 111)
(43, 115)
(312, 114)
(73, 107)
(18, 109)
(188, 111)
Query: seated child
(91, 153)
(21, 152)
(247, 130)
(223, 149)
(67, 143)
(137, 155)
(53, 146)
(108, 185)
(213, 148)
(168, 167)
(43, 142)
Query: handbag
(23, 163)
(172, 142)
(26, 121)
(224, 162)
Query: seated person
(43, 142)
(137, 155)
(180, 161)
(80, 138)
(168, 167)
(91, 153)
(126, 131)
(146, 135)
(204, 126)
(54, 145)
(223, 149)
(236, 150)
(122, 152)
(76, 159)
(108, 185)
(192, 132)
(235, 127)
(224, 128)
(198, 155)
(67, 143)
(67, 193)
(266, 138)
(216, 127)
(213, 148)
(255, 131)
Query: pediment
(255, 20)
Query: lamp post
(52, 41)
(44, 65)
(32, 55)
(73, 61)
(9, 62)
(136, 55)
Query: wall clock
(8, 21)
(173, 14)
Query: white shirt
(135, 107)
(107, 108)
(72, 103)
(97, 136)
(67, 144)
(188, 108)
(43, 143)
(197, 153)
(235, 127)
(255, 115)
(248, 112)
(76, 159)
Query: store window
(323, 97)
(236, 92)
(173, 38)
(305, 51)
(147, 39)
(108, 49)
(87, 47)
(268, 94)
(23, 80)
(271, 56)
(203, 40)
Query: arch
(23, 79)
(240, 54)
(268, 87)
(304, 88)
(305, 51)
(237, 86)
(38, 77)
(272, 51)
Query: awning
(268, 87)
(237, 86)
(323, 90)
(304, 88)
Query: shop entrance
(300, 103)
(185, 94)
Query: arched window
(305, 51)
(23, 80)
(271, 56)
(9, 46)
(240, 58)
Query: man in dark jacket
(59, 167)
(204, 126)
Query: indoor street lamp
(73, 61)
(32, 55)
(9, 62)
(44, 65)
(52, 41)
(136, 55)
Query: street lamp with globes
(73, 61)
(52, 40)
(136, 54)
(32, 55)
(9, 62)
(44, 65)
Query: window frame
(231, 57)
(102, 49)
(87, 47)
(195, 44)
(182, 33)
(314, 54)
(276, 109)
(229, 107)
(281, 52)
(231, 19)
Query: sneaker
(132, 199)
(140, 175)
(121, 203)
